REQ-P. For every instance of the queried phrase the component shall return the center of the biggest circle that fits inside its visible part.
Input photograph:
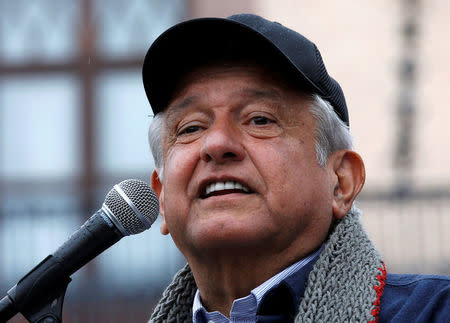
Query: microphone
(129, 208)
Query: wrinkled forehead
(259, 76)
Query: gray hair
(332, 133)
(155, 141)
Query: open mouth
(222, 188)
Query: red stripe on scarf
(379, 290)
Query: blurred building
(74, 117)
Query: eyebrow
(174, 109)
(184, 103)
(253, 93)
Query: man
(256, 181)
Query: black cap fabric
(244, 36)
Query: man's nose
(222, 143)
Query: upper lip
(214, 179)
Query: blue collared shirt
(245, 309)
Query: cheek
(292, 176)
(179, 165)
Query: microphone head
(134, 206)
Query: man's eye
(188, 130)
(260, 121)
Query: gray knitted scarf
(345, 284)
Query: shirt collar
(246, 308)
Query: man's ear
(349, 177)
(157, 187)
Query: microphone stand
(36, 299)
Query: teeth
(220, 186)
(228, 185)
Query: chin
(220, 236)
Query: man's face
(240, 170)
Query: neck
(222, 279)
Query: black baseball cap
(244, 36)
